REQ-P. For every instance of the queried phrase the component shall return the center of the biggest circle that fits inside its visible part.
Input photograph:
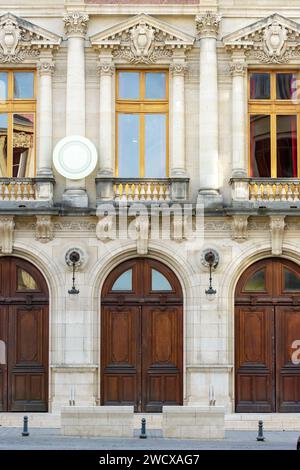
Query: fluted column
(44, 160)
(207, 27)
(238, 118)
(178, 69)
(106, 156)
(75, 28)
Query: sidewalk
(50, 439)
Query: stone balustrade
(17, 189)
(265, 190)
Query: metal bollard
(298, 444)
(25, 426)
(260, 435)
(143, 434)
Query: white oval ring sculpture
(75, 157)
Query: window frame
(12, 106)
(272, 107)
(141, 106)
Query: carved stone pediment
(142, 39)
(20, 39)
(272, 40)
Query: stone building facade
(208, 123)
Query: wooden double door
(267, 335)
(24, 337)
(141, 337)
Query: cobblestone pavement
(50, 439)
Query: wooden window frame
(142, 106)
(273, 107)
(12, 106)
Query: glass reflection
(257, 282)
(3, 86)
(159, 281)
(291, 281)
(285, 85)
(26, 281)
(3, 144)
(260, 86)
(155, 86)
(23, 85)
(23, 145)
(128, 145)
(124, 281)
(286, 146)
(129, 85)
(155, 145)
(260, 148)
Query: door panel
(3, 367)
(120, 339)
(254, 359)
(161, 357)
(287, 373)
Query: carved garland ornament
(15, 43)
(76, 23)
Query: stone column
(238, 119)
(44, 163)
(75, 29)
(207, 26)
(177, 164)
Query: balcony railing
(17, 189)
(265, 190)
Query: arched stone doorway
(24, 328)
(142, 336)
(267, 324)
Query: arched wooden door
(141, 337)
(24, 330)
(267, 324)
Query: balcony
(146, 190)
(26, 192)
(266, 192)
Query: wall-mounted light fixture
(74, 259)
(210, 259)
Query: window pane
(3, 85)
(260, 86)
(291, 281)
(256, 282)
(260, 148)
(128, 145)
(3, 144)
(124, 281)
(156, 86)
(286, 146)
(23, 145)
(129, 85)
(23, 85)
(155, 145)
(159, 281)
(285, 84)
(26, 281)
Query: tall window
(142, 124)
(17, 123)
(274, 124)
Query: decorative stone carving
(238, 68)
(142, 39)
(44, 228)
(46, 68)
(105, 228)
(105, 68)
(240, 227)
(142, 232)
(7, 226)
(76, 23)
(22, 139)
(208, 24)
(20, 39)
(277, 226)
(273, 40)
(82, 257)
(178, 68)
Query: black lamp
(211, 260)
(74, 257)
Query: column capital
(238, 68)
(207, 25)
(75, 24)
(178, 68)
(46, 67)
(105, 68)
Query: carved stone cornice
(207, 25)
(44, 228)
(277, 226)
(7, 226)
(46, 67)
(75, 24)
(238, 68)
(21, 40)
(272, 40)
(105, 68)
(178, 68)
(240, 227)
(142, 39)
